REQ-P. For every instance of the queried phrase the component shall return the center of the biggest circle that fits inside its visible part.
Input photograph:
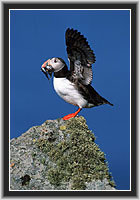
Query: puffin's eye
(55, 60)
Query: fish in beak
(47, 69)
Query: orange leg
(71, 115)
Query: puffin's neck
(62, 73)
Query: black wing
(91, 95)
(80, 55)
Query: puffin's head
(52, 65)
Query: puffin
(74, 84)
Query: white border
(130, 98)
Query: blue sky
(37, 35)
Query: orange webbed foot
(71, 115)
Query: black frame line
(5, 10)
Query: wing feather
(80, 55)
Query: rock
(58, 155)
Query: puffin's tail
(95, 98)
(107, 102)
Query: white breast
(66, 90)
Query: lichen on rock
(68, 155)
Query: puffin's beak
(46, 68)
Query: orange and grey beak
(46, 68)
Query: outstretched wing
(80, 55)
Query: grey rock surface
(58, 155)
